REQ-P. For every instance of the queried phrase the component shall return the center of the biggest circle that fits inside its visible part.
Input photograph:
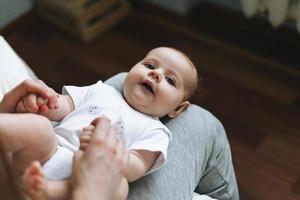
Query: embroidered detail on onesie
(94, 110)
(114, 117)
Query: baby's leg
(28, 137)
(38, 188)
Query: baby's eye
(170, 80)
(150, 66)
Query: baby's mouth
(148, 87)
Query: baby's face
(158, 84)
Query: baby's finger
(20, 107)
(30, 103)
(52, 102)
(41, 101)
(42, 104)
(43, 108)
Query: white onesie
(138, 131)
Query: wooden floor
(256, 98)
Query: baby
(158, 86)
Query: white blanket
(12, 68)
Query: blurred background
(247, 53)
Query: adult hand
(97, 171)
(10, 99)
(32, 103)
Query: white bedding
(12, 68)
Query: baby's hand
(32, 103)
(86, 136)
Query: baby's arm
(139, 163)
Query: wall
(12, 9)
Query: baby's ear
(183, 105)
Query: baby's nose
(155, 75)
